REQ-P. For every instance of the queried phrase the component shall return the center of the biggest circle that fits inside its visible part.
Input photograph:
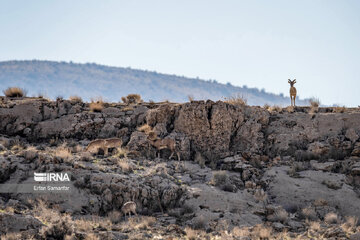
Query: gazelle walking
(160, 144)
(292, 91)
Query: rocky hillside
(92, 80)
(245, 172)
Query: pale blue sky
(254, 43)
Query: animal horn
(289, 80)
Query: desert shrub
(279, 215)
(63, 153)
(187, 209)
(240, 232)
(190, 98)
(75, 99)
(275, 108)
(290, 109)
(58, 229)
(349, 224)
(191, 234)
(219, 178)
(266, 106)
(132, 98)
(331, 218)
(96, 105)
(260, 195)
(11, 236)
(261, 232)
(121, 152)
(339, 109)
(30, 153)
(308, 213)
(124, 165)
(114, 216)
(143, 223)
(199, 222)
(13, 92)
(320, 202)
(314, 102)
(237, 100)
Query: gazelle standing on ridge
(292, 91)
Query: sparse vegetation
(339, 109)
(331, 218)
(63, 153)
(219, 178)
(275, 108)
(14, 92)
(132, 99)
(314, 104)
(237, 100)
(96, 105)
(279, 215)
(124, 165)
(75, 99)
(190, 98)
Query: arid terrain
(245, 172)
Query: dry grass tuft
(114, 216)
(75, 99)
(290, 109)
(262, 232)
(314, 102)
(63, 153)
(192, 234)
(125, 109)
(280, 215)
(219, 178)
(237, 100)
(331, 218)
(132, 99)
(96, 105)
(240, 232)
(191, 98)
(199, 222)
(309, 213)
(266, 106)
(121, 152)
(275, 108)
(350, 224)
(339, 109)
(124, 165)
(13, 92)
(142, 223)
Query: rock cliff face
(240, 165)
(214, 129)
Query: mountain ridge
(90, 80)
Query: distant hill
(92, 80)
